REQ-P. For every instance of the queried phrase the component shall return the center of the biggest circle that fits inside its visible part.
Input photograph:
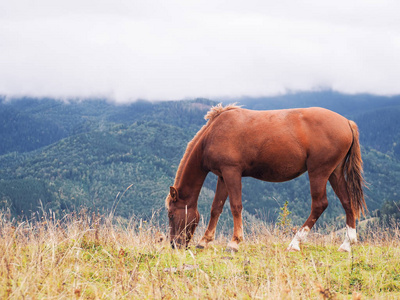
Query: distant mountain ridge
(86, 153)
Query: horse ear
(174, 193)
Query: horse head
(183, 219)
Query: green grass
(93, 257)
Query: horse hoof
(344, 249)
(291, 249)
(230, 249)
(198, 246)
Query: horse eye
(170, 216)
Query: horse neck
(192, 178)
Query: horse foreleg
(221, 193)
(339, 186)
(319, 203)
(233, 182)
(300, 237)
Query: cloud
(125, 50)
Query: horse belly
(274, 174)
(277, 170)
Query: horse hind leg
(338, 184)
(221, 193)
(319, 203)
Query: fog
(170, 50)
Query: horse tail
(353, 171)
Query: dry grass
(86, 256)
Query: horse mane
(214, 112)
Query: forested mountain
(93, 153)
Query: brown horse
(275, 146)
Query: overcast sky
(159, 50)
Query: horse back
(275, 145)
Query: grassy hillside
(87, 256)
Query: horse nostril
(173, 244)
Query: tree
(389, 212)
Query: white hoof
(349, 239)
(300, 237)
(232, 246)
(293, 248)
(344, 248)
